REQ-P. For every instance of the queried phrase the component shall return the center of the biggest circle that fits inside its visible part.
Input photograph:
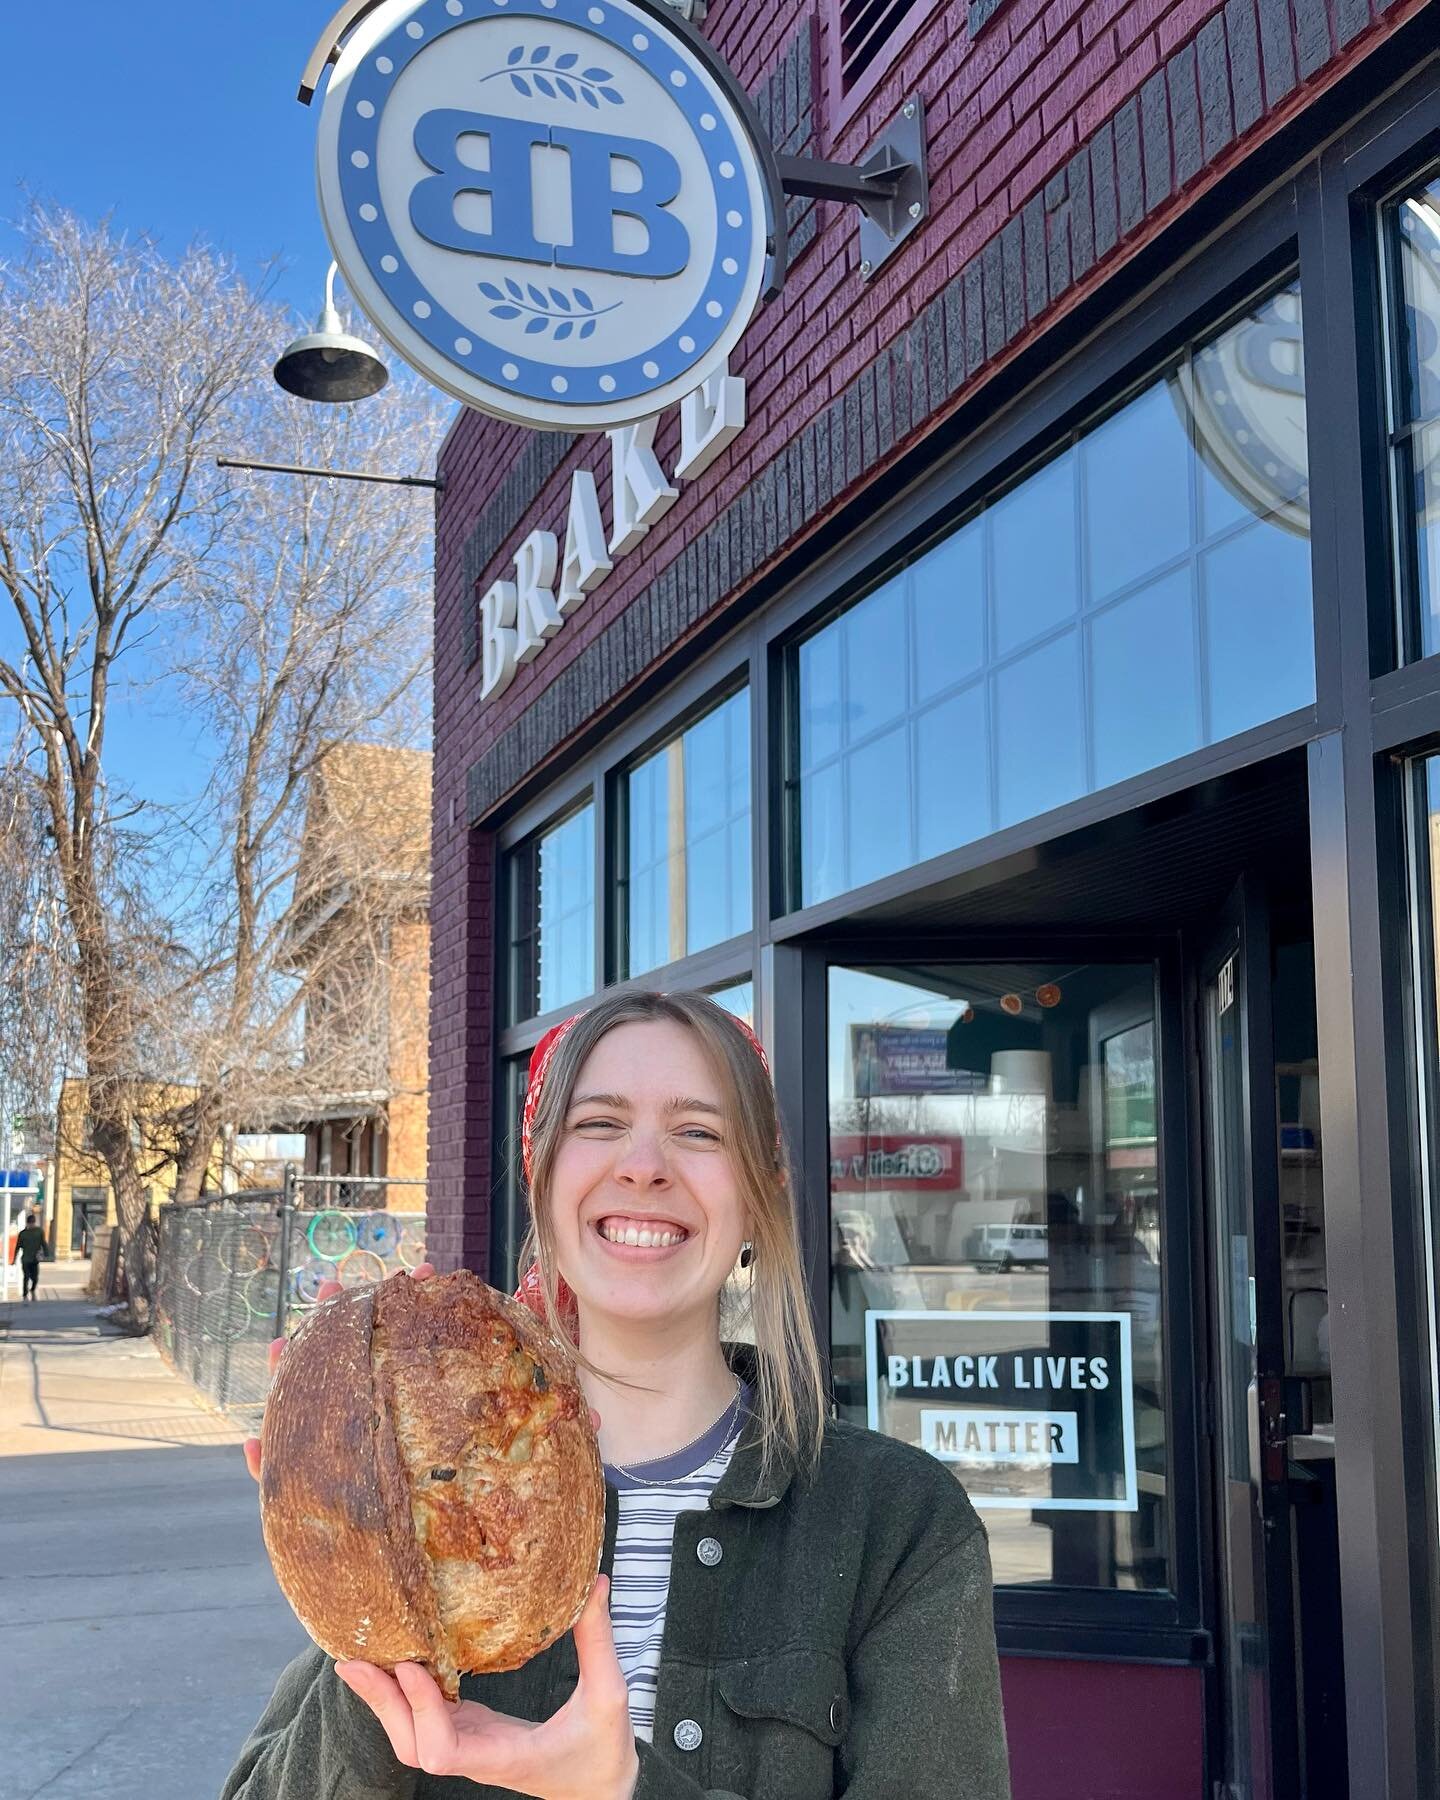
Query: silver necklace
(642, 1480)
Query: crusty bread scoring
(431, 1489)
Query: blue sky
(180, 120)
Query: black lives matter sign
(1033, 1410)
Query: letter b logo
(590, 166)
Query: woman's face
(646, 1214)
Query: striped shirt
(640, 1583)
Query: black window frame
(617, 971)
(963, 511)
(1407, 646)
(513, 870)
(1167, 1626)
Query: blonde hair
(790, 1406)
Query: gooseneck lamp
(329, 365)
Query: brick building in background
(361, 950)
(1027, 717)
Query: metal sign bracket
(891, 186)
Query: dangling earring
(747, 1254)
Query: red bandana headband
(531, 1290)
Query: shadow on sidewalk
(138, 1587)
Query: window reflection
(508, 1208)
(1145, 592)
(739, 998)
(1412, 236)
(686, 880)
(994, 1157)
(551, 912)
(566, 922)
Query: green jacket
(842, 1645)
(29, 1245)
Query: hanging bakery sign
(565, 212)
(1244, 398)
(560, 211)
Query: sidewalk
(142, 1626)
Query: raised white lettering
(710, 418)
(497, 640)
(537, 618)
(640, 492)
(585, 564)
(899, 1371)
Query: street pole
(287, 1213)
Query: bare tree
(121, 547)
(38, 1019)
(311, 633)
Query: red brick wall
(1062, 137)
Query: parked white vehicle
(1003, 1246)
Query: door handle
(1274, 1423)
(1269, 1429)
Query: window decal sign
(907, 1059)
(560, 211)
(917, 1162)
(1033, 1410)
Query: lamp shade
(330, 366)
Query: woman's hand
(585, 1752)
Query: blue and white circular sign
(553, 209)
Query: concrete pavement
(141, 1626)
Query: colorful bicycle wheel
(306, 1281)
(242, 1249)
(228, 1322)
(360, 1268)
(262, 1293)
(379, 1232)
(412, 1243)
(332, 1235)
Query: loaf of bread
(431, 1488)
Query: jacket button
(688, 1735)
(834, 1715)
(709, 1550)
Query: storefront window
(1425, 852)
(686, 841)
(1412, 244)
(1145, 593)
(552, 917)
(738, 999)
(508, 1210)
(997, 1243)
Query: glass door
(1257, 1748)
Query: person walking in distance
(29, 1247)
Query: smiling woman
(788, 1593)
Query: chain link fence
(235, 1271)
